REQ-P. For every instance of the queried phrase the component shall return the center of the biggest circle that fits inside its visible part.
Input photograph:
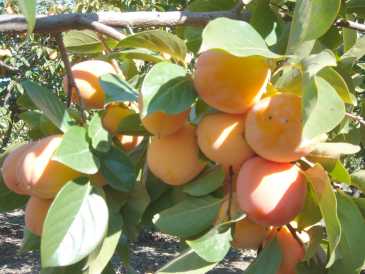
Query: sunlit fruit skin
(129, 142)
(9, 169)
(86, 75)
(292, 251)
(228, 83)
(221, 139)
(274, 129)
(113, 115)
(175, 158)
(270, 193)
(39, 174)
(35, 214)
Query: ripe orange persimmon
(87, 74)
(175, 158)
(35, 214)
(221, 139)
(292, 251)
(270, 193)
(274, 128)
(9, 169)
(39, 174)
(228, 83)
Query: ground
(152, 251)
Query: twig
(344, 23)
(230, 193)
(294, 233)
(102, 28)
(70, 79)
(356, 118)
(108, 51)
(8, 67)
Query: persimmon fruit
(86, 75)
(221, 139)
(274, 128)
(35, 214)
(113, 115)
(228, 83)
(39, 174)
(270, 193)
(175, 158)
(9, 169)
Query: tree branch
(70, 79)
(356, 118)
(65, 22)
(350, 25)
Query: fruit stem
(70, 79)
(294, 233)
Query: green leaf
(360, 202)
(99, 136)
(323, 108)
(358, 179)
(28, 8)
(306, 25)
(334, 150)
(357, 51)
(310, 268)
(30, 241)
(316, 234)
(187, 263)
(268, 261)
(117, 90)
(316, 62)
(49, 104)
(155, 187)
(78, 268)
(210, 180)
(118, 169)
(138, 54)
(352, 244)
(133, 211)
(167, 88)
(75, 224)
(86, 42)
(191, 209)
(132, 125)
(37, 121)
(240, 39)
(310, 213)
(338, 83)
(212, 246)
(193, 34)
(339, 173)
(99, 259)
(74, 152)
(157, 40)
(326, 200)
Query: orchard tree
(223, 123)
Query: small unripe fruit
(228, 83)
(39, 174)
(221, 139)
(86, 75)
(9, 169)
(35, 214)
(274, 128)
(175, 158)
(270, 193)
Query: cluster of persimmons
(255, 135)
